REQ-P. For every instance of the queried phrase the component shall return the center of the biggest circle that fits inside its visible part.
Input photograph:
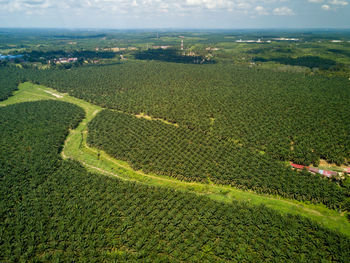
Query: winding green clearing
(95, 160)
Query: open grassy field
(98, 161)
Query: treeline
(285, 50)
(39, 56)
(305, 61)
(192, 155)
(171, 55)
(55, 211)
(340, 51)
(78, 35)
(9, 79)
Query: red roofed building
(297, 166)
(328, 173)
(313, 170)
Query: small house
(327, 173)
(297, 166)
(313, 170)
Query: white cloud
(131, 6)
(283, 11)
(174, 7)
(260, 10)
(210, 4)
(338, 2)
(28, 6)
(331, 4)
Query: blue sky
(175, 14)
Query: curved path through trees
(99, 162)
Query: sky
(186, 14)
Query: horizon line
(184, 29)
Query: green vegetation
(340, 51)
(9, 80)
(27, 91)
(191, 155)
(55, 210)
(287, 116)
(307, 61)
(264, 109)
(98, 161)
(41, 56)
(32, 135)
(171, 55)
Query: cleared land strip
(98, 161)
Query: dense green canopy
(55, 211)
(270, 117)
(268, 110)
(192, 155)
